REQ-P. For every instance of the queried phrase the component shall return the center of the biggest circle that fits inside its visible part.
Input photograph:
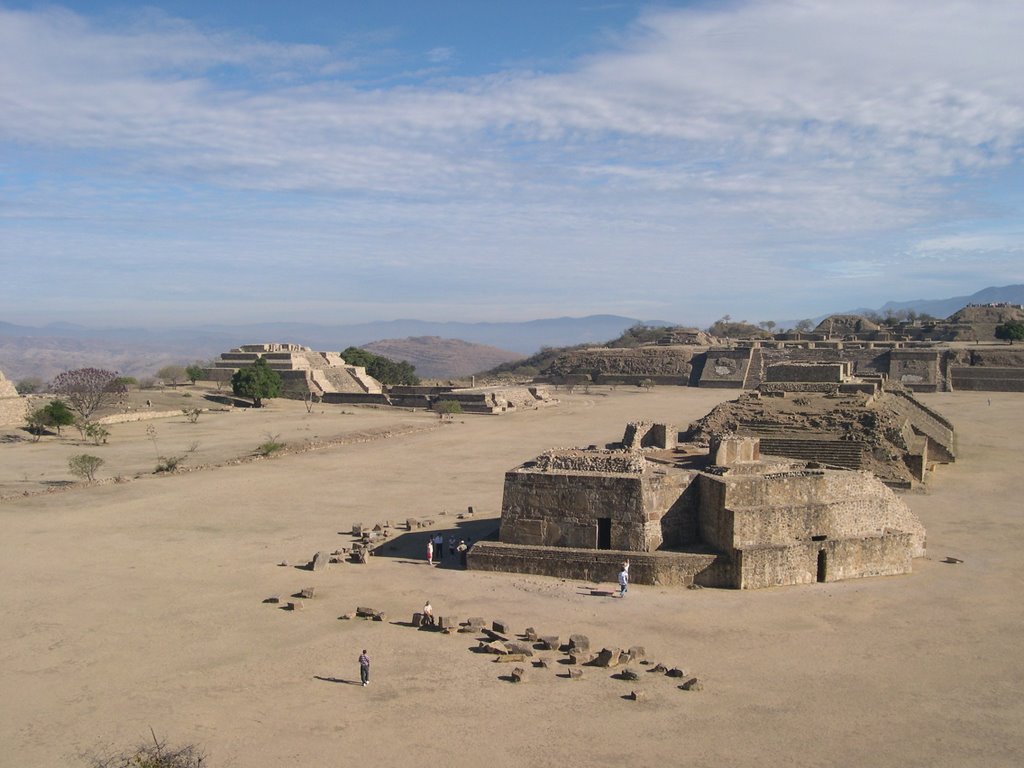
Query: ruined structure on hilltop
(301, 369)
(714, 510)
(916, 354)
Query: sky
(190, 162)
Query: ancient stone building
(301, 369)
(682, 514)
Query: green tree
(194, 371)
(804, 326)
(383, 369)
(84, 466)
(447, 408)
(1010, 331)
(257, 381)
(58, 414)
(89, 389)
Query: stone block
(693, 684)
(495, 646)
(551, 642)
(575, 673)
(579, 643)
(608, 657)
(660, 668)
(518, 675)
(581, 658)
(675, 672)
(510, 657)
(417, 619)
(412, 523)
(365, 613)
(273, 599)
(476, 621)
(380, 617)
(447, 622)
(319, 561)
(530, 634)
(501, 627)
(542, 663)
(306, 593)
(357, 529)
(629, 674)
(637, 652)
(637, 695)
(522, 648)
(295, 605)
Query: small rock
(283, 564)
(295, 606)
(347, 616)
(638, 695)
(306, 593)
(530, 634)
(380, 617)
(579, 643)
(675, 672)
(629, 674)
(581, 658)
(273, 599)
(637, 652)
(542, 663)
(518, 675)
(501, 627)
(575, 673)
(659, 668)
(550, 642)
(510, 657)
(365, 613)
(693, 684)
(521, 648)
(608, 657)
(319, 561)
(495, 646)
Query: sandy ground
(140, 604)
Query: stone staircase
(847, 454)
(755, 370)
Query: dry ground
(139, 604)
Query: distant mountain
(943, 308)
(46, 351)
(437, 358)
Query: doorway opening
(604, 533)
(822, 565)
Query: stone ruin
(301, 369)
(820, 413)
(719, 508)
(13, 407)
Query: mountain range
(45, 351)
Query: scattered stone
(608, 657)
(273, 599)
(475, 621)
(347, 616)
(378, 528)
(579, 643)
(518, 675)
(629, 674)
(530, 634)
(693, 684)
(494, 647)
(306, 593)
(637, 652)
(550, 642)
(283, 564)
(412, 523)
(625, 657)
(365, 613)
(447, 622)
(575, 673)
(638, 695)
(695, 586)
(357, 529)
(661, 668)
(510, 657)
(675, 672)
(542, 663)
(501, 627)
(521, 648)
(380, 617)
(581, 658)
(295, 606)
(469, 510)
(417, 619)
(319, 561)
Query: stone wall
(13, 411)
(562, 509)
(643, 434)
(660, 568)
(916, 369)
(831, 373)
(725, 368)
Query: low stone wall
(987, 379)
(658, 568)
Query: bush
(155, 755)
(29, 386)
(54, 414)
(270, 445)
(192, 414)
(169, 463)
(84, 466)
(96, 432)
(447, 408)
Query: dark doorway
(822, 565)
(604, 533)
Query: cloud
(737, 133)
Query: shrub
(155, 755)
(192, 414)
(96, 432)
(169, 463)
(447, 408)
(29, 386)
(270, 446)
(84, 466)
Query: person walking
(623, 582)
(364, 668)
(439, 548)
(462, 549)
(430, 551)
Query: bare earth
(140, 604)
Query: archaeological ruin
(787, 485)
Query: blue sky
(186, 162)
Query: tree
(804, 326)
(384, 370)
(84, 466)
(1010, 331)
(194, 371)
(172, 374)
(29, 386)
(768, 325)
(89, 389)
(54, 414)
(256, 381)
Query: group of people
(435, 549)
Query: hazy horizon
(189, 163)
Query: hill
(438, 358)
